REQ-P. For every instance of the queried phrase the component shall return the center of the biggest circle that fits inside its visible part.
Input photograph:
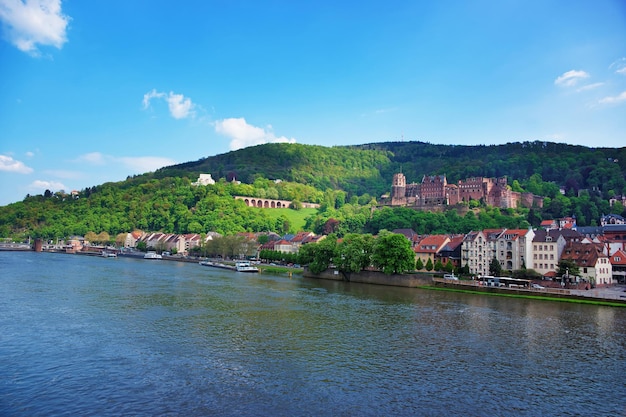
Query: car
(451, 276)
(537, 286)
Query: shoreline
(429, 282)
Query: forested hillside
(346, 181)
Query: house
(547, 247)
(451, 251)
(618, 263)
(612, 219)
(429, 247)
(204, 179)
(132, 238)
(284, 246)
(549, 224)
(513, 248)
(593, 263)
(476, 253)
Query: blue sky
(94, 91)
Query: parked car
(451, 276)
(537, 286)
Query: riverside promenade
(614, 294)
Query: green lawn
(295, 217)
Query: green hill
(345, 180)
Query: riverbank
(610, 296)
(613, 296)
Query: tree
(392, 253)
(419, 265)
(91, 237)
(495, 269)
(103, 237)
(429, 265)
(325, 252)
(438, 265)
(568, 267)
(354, 253)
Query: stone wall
(374, 277)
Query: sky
(94, 91)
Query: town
(598, 252)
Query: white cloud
(39, 185)
(30, 154)
(614, 99)
(619, 66)
(141, 164)
(93, 158)
(180, 107)
(570, 78)
(11, 165)
(34, 22)
(149, 96)
(243, 134)
(589, 87)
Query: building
(204, 179)
(514, 248)
(435, 191)
(618, 263)
(547, 249)
(593, 263)
(428, 248)
(476, 253)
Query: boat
(152, 255)
(245, 266)
(242, 266)
(217, 265)
(106, 254)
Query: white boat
(106, 254)
(152, 255)
(245, 266)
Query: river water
(93, 336)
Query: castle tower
(398, 189)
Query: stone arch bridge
(271, 203)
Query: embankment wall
(374, 277)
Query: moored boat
(152, 255)
(245, 266)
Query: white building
(204, 179)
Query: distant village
(599, 252)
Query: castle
(434, 191)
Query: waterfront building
(593, 263)
(514, 248)
(476, 253)
(429, 247)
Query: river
(86, 335)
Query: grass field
(295, 217)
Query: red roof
(618, 258)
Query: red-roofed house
(593, 263)
(429, 247)
(549, 224)
(618, 262)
